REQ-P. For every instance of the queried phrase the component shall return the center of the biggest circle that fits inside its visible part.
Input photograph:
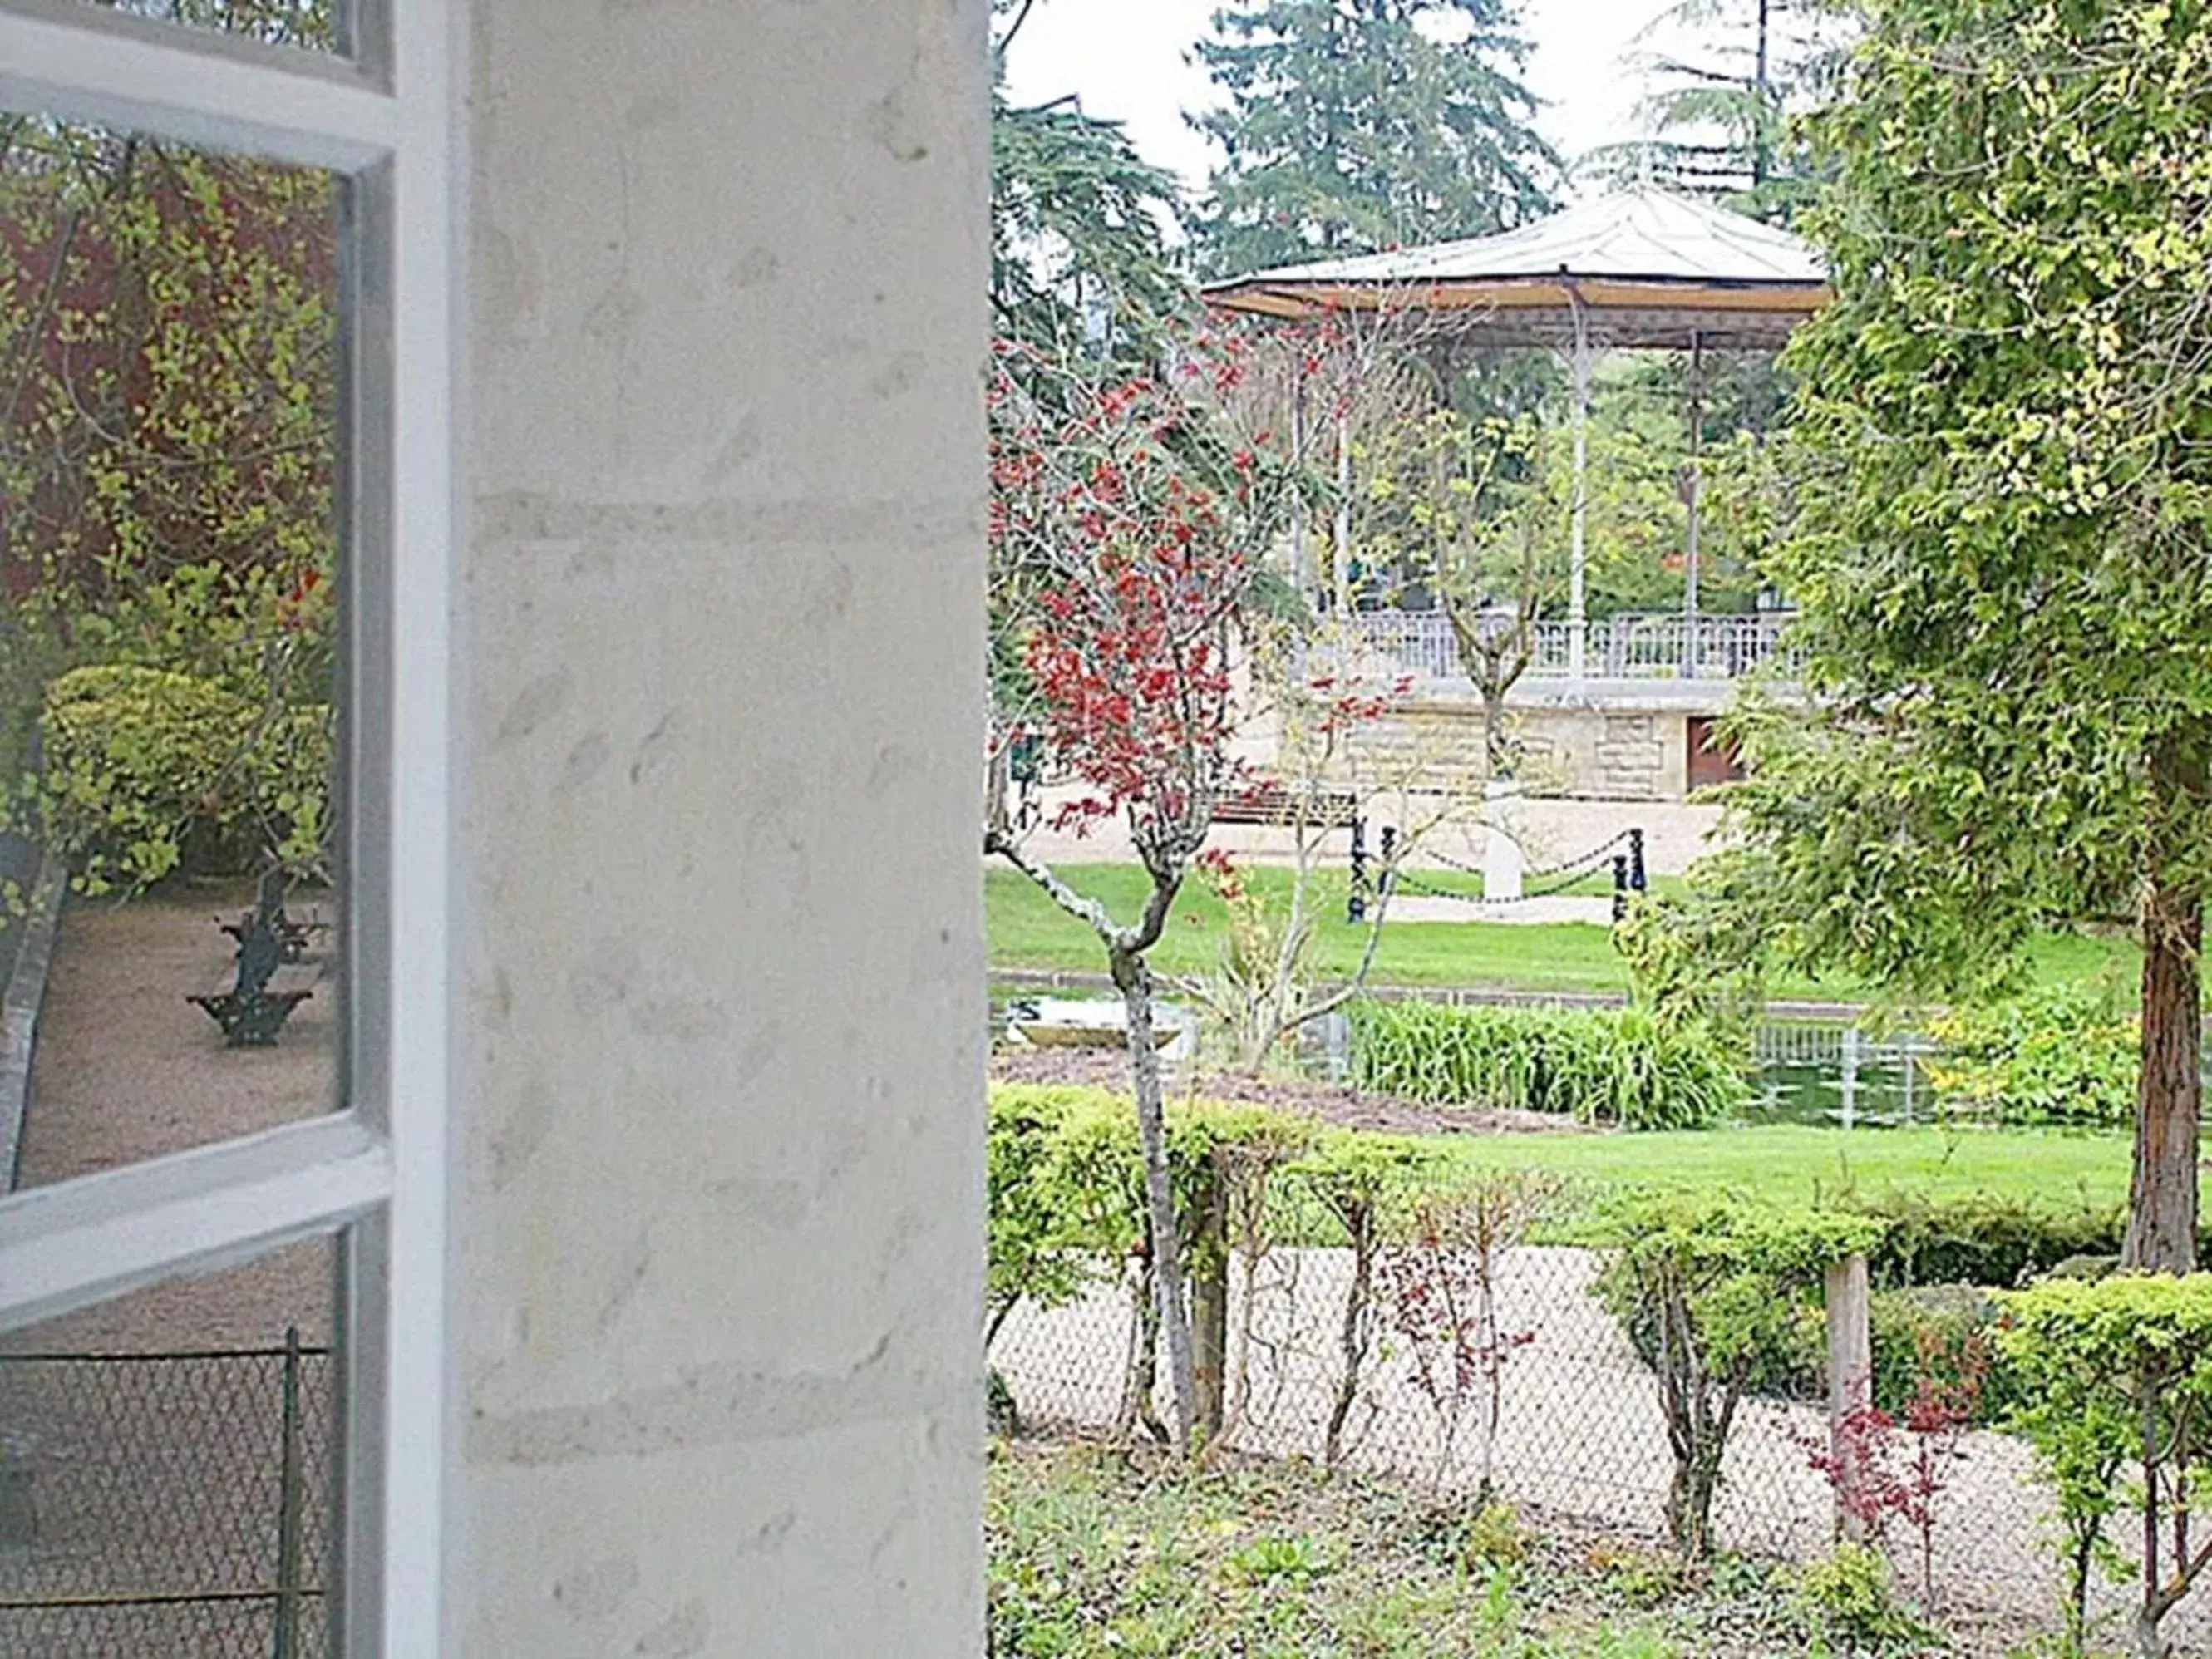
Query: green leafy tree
(2001, 548)
(168, 388)
(1353, 125)
(2114, 1381)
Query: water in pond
(1832, 1077)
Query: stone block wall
(1595, 753)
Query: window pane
(168, 1470)
(169, 331)
(312, 25)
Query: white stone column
(717, 1213)
(1503, 861)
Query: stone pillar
(717, 1207)
(1504, 862)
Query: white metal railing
(1665, 646)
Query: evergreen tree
(1081, 262)
(1356, 125)
(1723, 120)
(2003, 530)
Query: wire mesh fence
(1576, 1429)
(173, 1505)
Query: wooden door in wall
(1713, 759)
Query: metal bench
(272, 980)
(1273, 803)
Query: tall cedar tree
(1355, 126)
(1080, 260)
(2006, 500)
(1722, 118)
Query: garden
(1366, 1304)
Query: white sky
(1130, 61)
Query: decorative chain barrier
(1625, 851)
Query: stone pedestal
(1503, 863)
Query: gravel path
(155, 1468)
(1579, 1431)
(127, 1070)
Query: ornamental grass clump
(1616, 1066)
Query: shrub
(1848, 1602)
(149, 774)
(2114, 1379)
(2060, 1055)
(1364, 1183)
(1706, 1286)
(1981, 1238)
(1612, 1065)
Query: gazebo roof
(1651, 270)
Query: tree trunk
(1209, 1301)
(2161, 1234)
(1352, 1337)
(1497, 755)
(1135, 978)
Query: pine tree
(1356, 125)
(1723, 120)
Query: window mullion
(91, 1240)
(80, 63)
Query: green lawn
(1788, 1162)
(1094, 1552)
(1027, 930)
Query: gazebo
(1641, 270)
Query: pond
(1838, 1077)
(1825, 1075)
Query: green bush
(1067, 1181)
(1981, 1238)
(1612, 1065)
(149, 774)
(1710, 1288)
(2060, 1055)
(1850, 1602)
(2114, 1381)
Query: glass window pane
(310, 25)
(170, 349)
(168, 1470)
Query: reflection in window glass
(314, 25)
(168, 1470)
(169, 364)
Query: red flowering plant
(1128, 519)
(1897, 1465)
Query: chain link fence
(171, 1505)
(1577, 1429)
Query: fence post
(290, 1503)
(1850, 1384)
(1851, 1077)
(1620, 887)
(1637, 879)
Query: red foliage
(1134, 524)
(1885, 1466)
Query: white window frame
(384, 119)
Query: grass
(1790, 1162)
(1027, 930)
(1098, 1552)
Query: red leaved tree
(1127, 524)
